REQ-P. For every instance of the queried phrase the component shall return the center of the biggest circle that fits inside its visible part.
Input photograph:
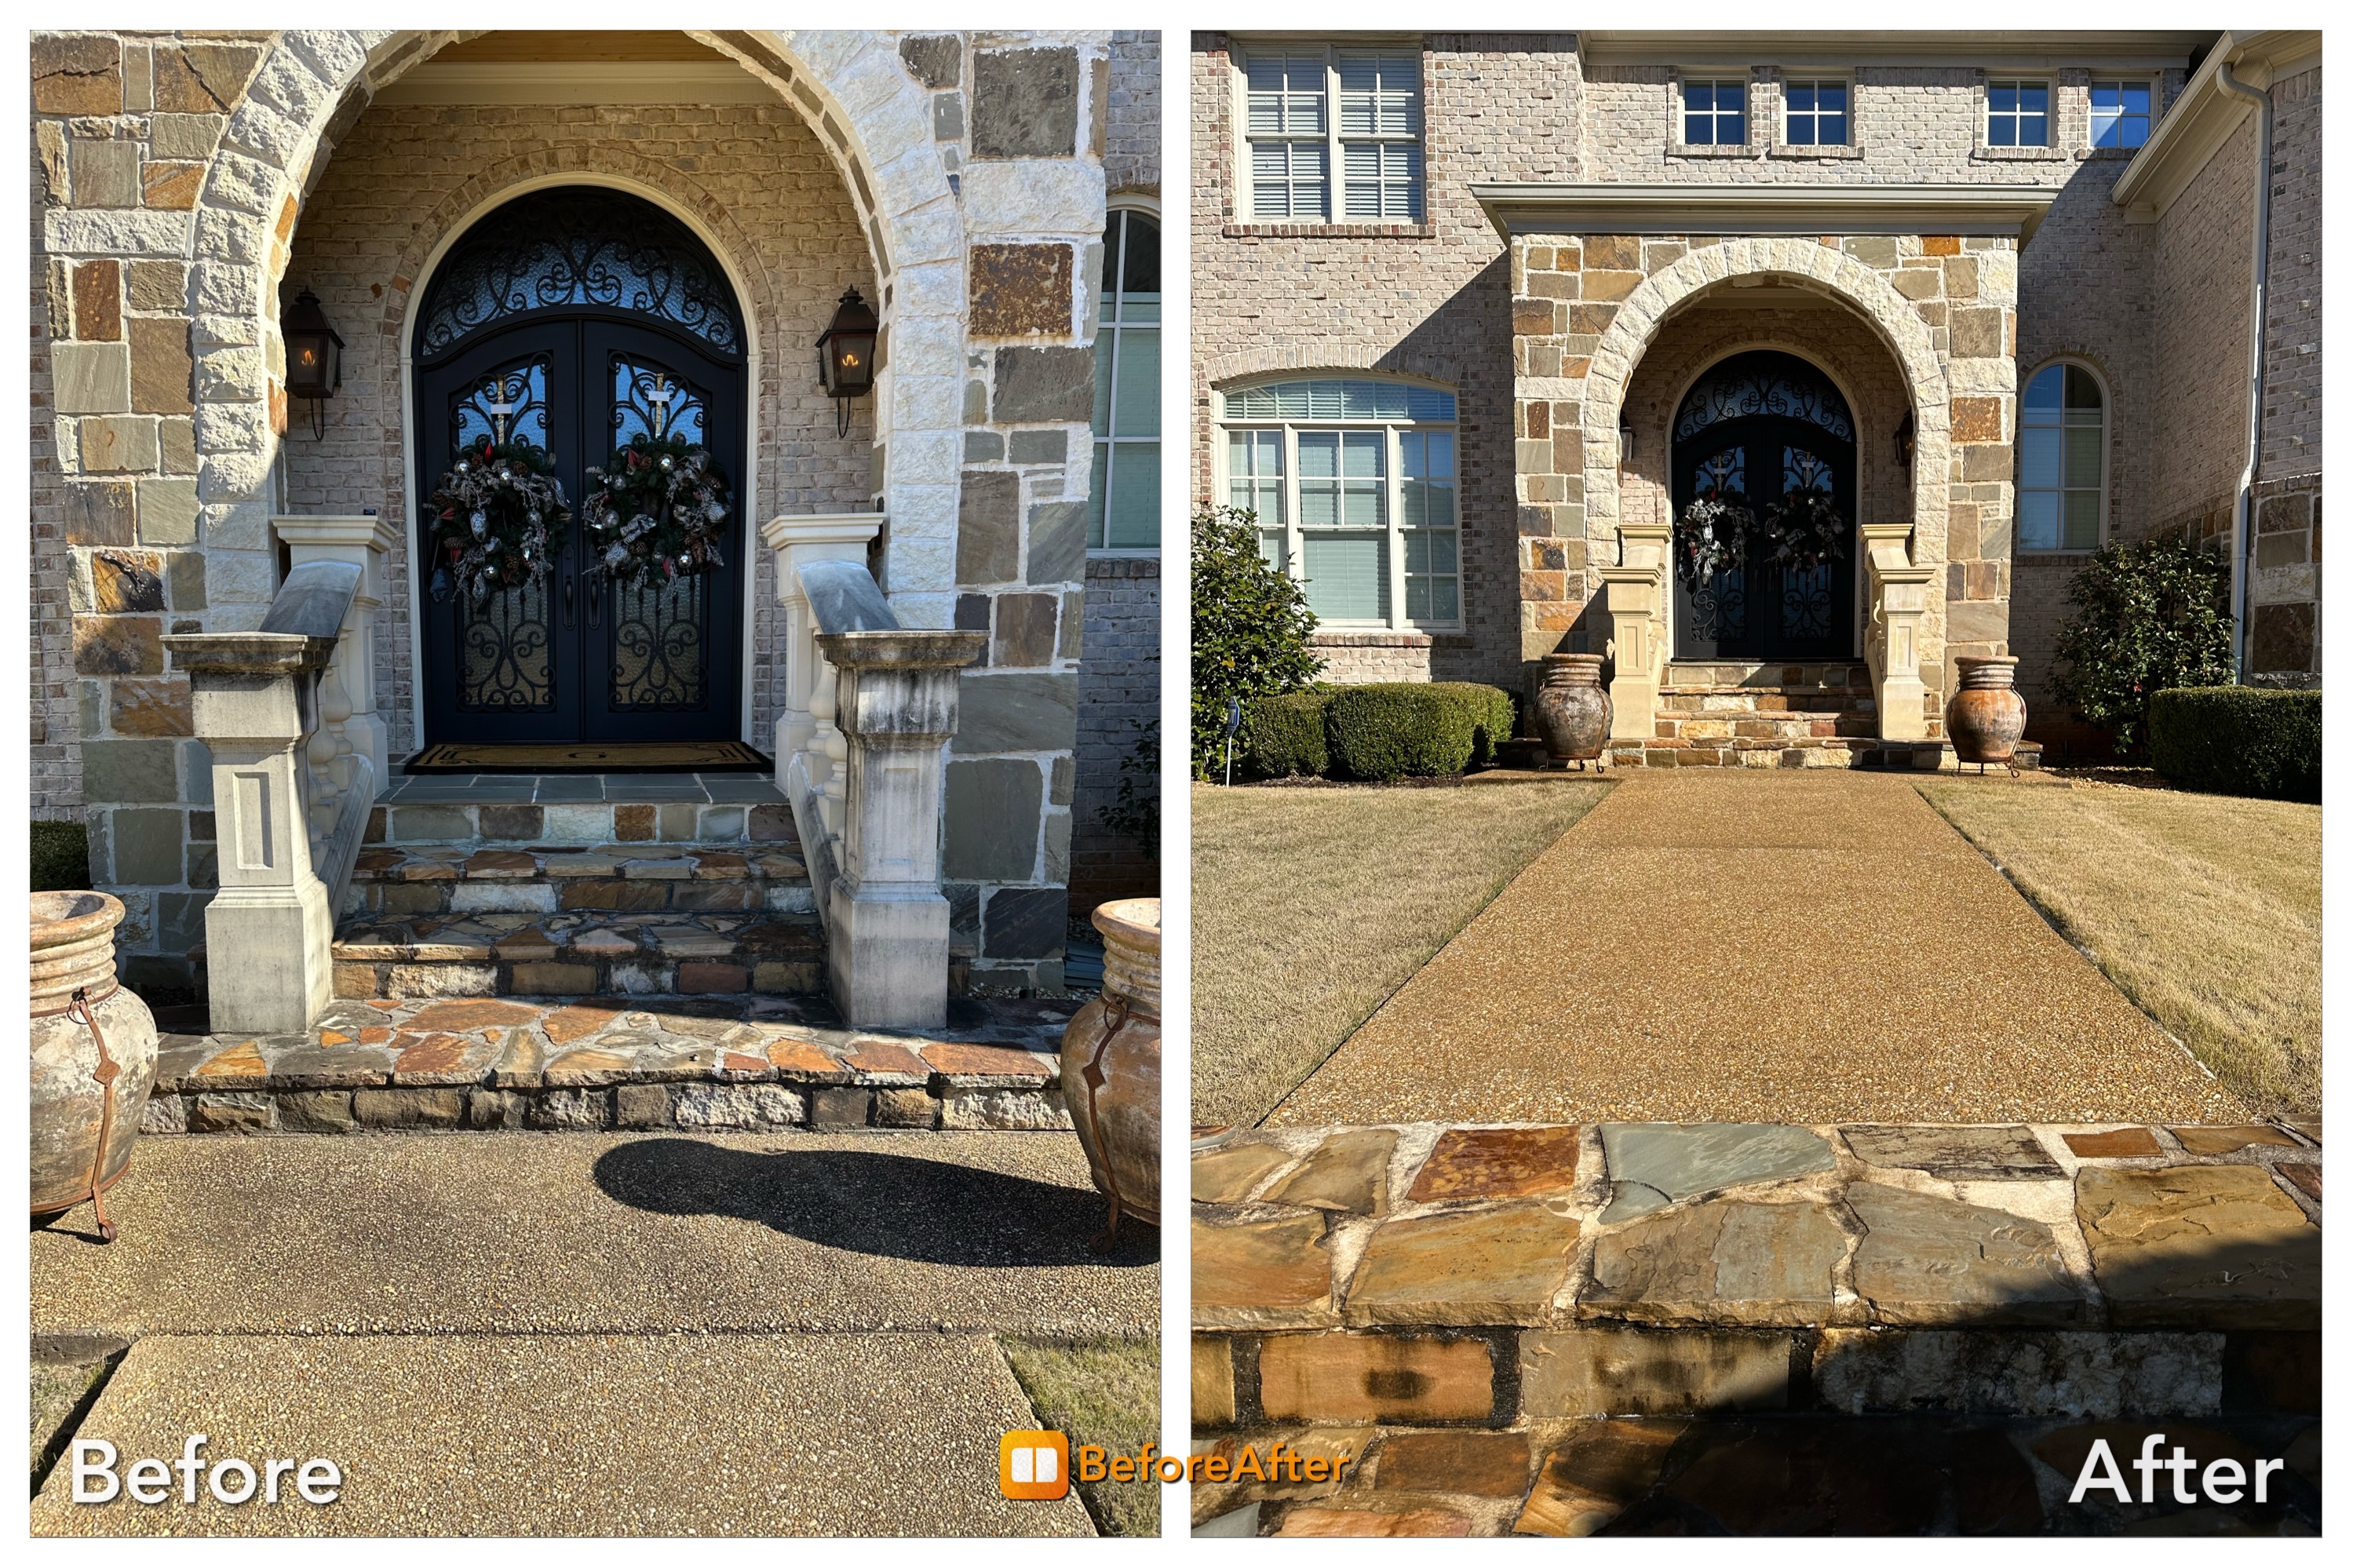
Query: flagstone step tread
(561, 862)
(1725, 1473)
(1757, 1225)
(603, 1041)
(581, 951)
(848, 1435)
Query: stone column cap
(823, 527)
(249, 653)
(902, 649)
(375, 533)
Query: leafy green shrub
(1250, 629)
(1491, 713)
(1395, 730)
(60, 857)
(1283, 736)
(2149, 616)
(2238, 740)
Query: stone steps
(1781, 752)
(1766, 726)
(710, 1062)
(550, 878)
(581, 951)
(409, 820)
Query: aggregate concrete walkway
(583, 1334)
(1708, 945)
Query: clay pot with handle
(93, 1056)
(1986, 716)
(1110, 1067)
(1572, 708)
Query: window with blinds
(2063, 438)
(1354, 485)
(1314, 114)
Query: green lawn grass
(1105, 1392)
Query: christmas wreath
(1711, 536)
(494, 510)
(1803, 530)
(656, 507)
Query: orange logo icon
(1033, 1466)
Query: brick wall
(2199, 320)
(1430, 300)
(406, 178)
(1119, 704)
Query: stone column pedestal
(1636, 600)
(268, 929)
(1899, 606)
(886, 918)
(806, 724)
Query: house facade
(1478, 318)
(575, 239)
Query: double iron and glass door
(1754, 429)
(579, 657)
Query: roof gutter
(2242, 530)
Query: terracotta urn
(1111, 1066)
(1986, 715)
(93, 1056)
(1572, 707)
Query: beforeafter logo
(1033, 1467)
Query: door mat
(606, 757)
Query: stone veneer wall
(2283, 637)
(172, 171)
(1586, 309)
(1427, 300)
(407, 179)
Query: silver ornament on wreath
(656, 511)
(497, 519)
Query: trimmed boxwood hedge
(1283, 736)
(1395, 730)
(2237, 740)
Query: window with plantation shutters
(1354, 485)
(1333, 135)
(2063, 431)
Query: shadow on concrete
(883, 1205)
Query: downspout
(2242, 519)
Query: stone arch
(1808, 264)
(871, 116)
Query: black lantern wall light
(314, 357)
(845, 355)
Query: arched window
(2063, 443)
(1356, 485)
(1124, 505)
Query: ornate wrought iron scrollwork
(1719, 607)
(506, 652)
(508, 402)
(579, 246)
(650, 400)
(1749, 385)
(660, 644)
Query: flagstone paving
(1711, 946)
(1855, 1329)
(586, 1063)
(791, 1333)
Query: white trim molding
(1757, 209)
(2204, 116)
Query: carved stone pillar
(886, 918)
(268, 930)
(347, 694)
(1899, 604)
(1636, 599)
(798, 541)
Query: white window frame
(2050, 86)
(2091, 111)
(1393, 503)
(2019, 489)
(1817, 80)
(1717, 77)
(1332, 139)
(1116, 330)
